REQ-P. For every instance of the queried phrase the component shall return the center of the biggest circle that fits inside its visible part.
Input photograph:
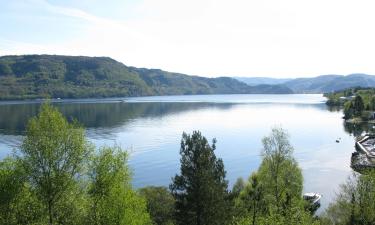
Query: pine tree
(201, 190)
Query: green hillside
(314, 85)
(329, 83)
(39, 76)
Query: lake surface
(151, 128)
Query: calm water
(151, 129)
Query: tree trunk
(50, 213)
(254, 212)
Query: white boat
(312, 198)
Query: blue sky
(288, 38)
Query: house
(347, 98)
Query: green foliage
(160, 204)
(38, 76)
(201, 189)
(281, 176)
(53, 154)
(238, 186)
(294, 215)
(355, 108)
(371, 103)
(358, 103)
(112, 199)
(334, 99)
(355, 203)
(11, 182)
(27, 208)
(273, 195)
(18, 204)
(348, 110)
(250, 204)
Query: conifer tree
(201, 190)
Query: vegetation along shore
(358, 104)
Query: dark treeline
(57, 177)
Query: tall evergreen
(358, 105)
(201, 189)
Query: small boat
(337, 141)
(312, 198)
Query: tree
(358, 105)
(113, 201)
(18, 205)
(201, 189)
(250, 203)
(273, 194)
(348, 110)
(372, 103)
(355, 202)
(160, 204)
(279, 172)
(238, 187)
(11, 181)
(53, 155)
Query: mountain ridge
(324, 83)
(58, 76)
(262, 80)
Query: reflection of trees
(333, 108)
(13, 118)
(356, 129)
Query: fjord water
(151, 127)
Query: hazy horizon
(278, 39)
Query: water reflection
(14, 117)
(358, 129)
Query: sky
(249, 38)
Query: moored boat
(312, 198)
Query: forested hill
(319, 84)
(39, 76)
(330, 83)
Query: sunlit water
(151, 127)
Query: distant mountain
(38, 76)
(319, 84)
(262, 80)
(329, 83)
